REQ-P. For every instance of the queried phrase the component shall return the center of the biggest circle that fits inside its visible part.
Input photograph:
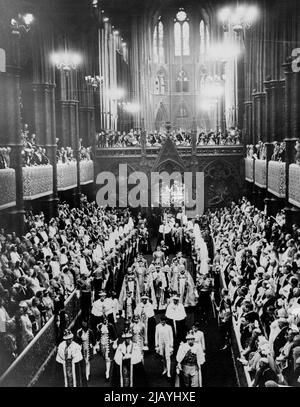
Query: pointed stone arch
(161, 117)
(182, 117)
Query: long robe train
(139, 378)
(78, 371)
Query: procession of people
(152, 314)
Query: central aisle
(218, 371)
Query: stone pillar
(143, 138)
(248, 123)
(268, 84)
(259, 100)
(45, 128)
(87, 124)
(270, 200)
(13, 128)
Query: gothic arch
(182, 117)
(161, 117)
(170, 166)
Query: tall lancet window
(158, 43)
(204, 37)
(182, 82)
(181, 34)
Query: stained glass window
(158, 42)
(204, 37)
(177, 38)
(181, 34)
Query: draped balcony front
(260, 173)
(294, 185)
(249, 169)
(37, 181)
(66, 175)
(7, 188)
(211, 150)
(86, 172)
(276, 178)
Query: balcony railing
(276, 178)
(7, 188)
(260, 171)
(294, 184)
(37, 181)
(66, 175)
(249, 169)
(31, 361)
(184, 150)
(86, 172)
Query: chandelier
(238, 18)
(66, 60)
(94, 81)
(23, 21)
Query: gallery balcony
(201, 150)
(272, 175)
(7, 188)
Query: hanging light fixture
(66, 60)
(94, 81)
(238, 18)
(23, 21)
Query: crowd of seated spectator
(259, 258)
(39, 271)
(66, 154)
(32, 154)
(4, 157)
(229, 137)
(279, 151)
(258, 151)
(157, 138)
(118, 139)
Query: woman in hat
(24, 332)
(69, 357)
(128, 367)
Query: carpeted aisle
(218, 371)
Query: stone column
(13, 128)
(45, 128)
(87, 124)
(259, 100)
(268, 85)
(248, 124)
